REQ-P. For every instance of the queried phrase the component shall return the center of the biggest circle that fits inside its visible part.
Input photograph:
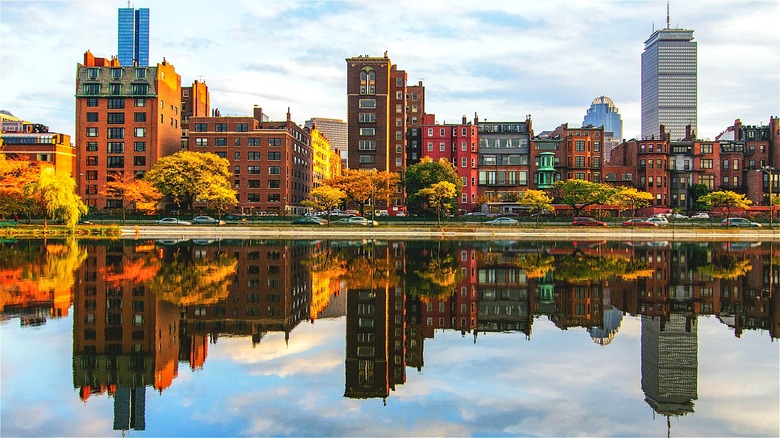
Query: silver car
(172, 221)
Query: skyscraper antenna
(667, 14)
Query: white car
(172, 221)
(206, 220)
(660, 220)
(502, 221)
(356, 220)
(678, 216)
(700, 216)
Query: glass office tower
(133, 37)
(669, 95)
(603, 112)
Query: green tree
(325, 198)
(423, 175)
(579, 194)
(726, 200)
(440, 197)
(631, 198)
(189, 176)
(537, 202)
(133, 192)
(55, 195)
(695, 192)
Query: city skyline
(499, 60)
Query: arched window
(368, 81)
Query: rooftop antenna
(667, 14)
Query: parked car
(173, 221)
(356, 220)
(660, 220)
(677, 216)
(207, 220)
(588, 222)
(738, 222)
(310, 220)
(639, 222)
(502, 221)
(700, 216)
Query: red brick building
(127, 118)
(271, 160)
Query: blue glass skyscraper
(133, 37)
(603, 112)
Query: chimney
(464, 119)
(258, 113)
(476, 118)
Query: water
(355, 338)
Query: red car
(588, 222)
(639, 223)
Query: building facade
(336, 132)
(504, 158)
(195, 102)
(127, 118)
(133, 41)
(603, 112)
(669, 78)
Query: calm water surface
(355, 338)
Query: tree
(219, 198)
(629, 197)
(423, 175)
(696, 191)
(325, 198)
(132, 192)
(356, 185)
(440, 196)
(55, 195)
(726, 200)
(579, 194)
(385, 185)
(188, 176)
(537, 202)
(14, 175)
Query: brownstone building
(272, 161)
(127, 118)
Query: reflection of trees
(432, 273)
(185, 282)
(133, 271)
(578, 267)
(535, 265)
(726, 266)
(26, 274)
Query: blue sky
(500, 59)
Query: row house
(272, 162)
(581, 153)
(127, 118)
(458, 145)
(504, 158)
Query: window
(430, 146)
(140, 102)
(92, 132)
(275, 156)
(362, 103)
(367, 131)
(221, 154)
(253, 142)
(274, 197)
(140, 73)
(220, 141)
(92, 161)
(253, 184)
(274, 142)
(93, 73)
(706, 163)
(91, 175)
(237, 156)
(139, 161)
(91, 89)
(139, 117)
(367, 117)
(237, 170)
(579, 161)
(201, 127)
(115, 89)
(139, 89)
(200, 141)
(274, 184)
(115, 147)
(253, 156)
(579, 145)
(442, 147)
(92, 117)
(220, 127)
(115, 162)
(92, 146)
(706, 149)
(253, 197)
(242, 127)
(140, 132)
(115, 103)
(237, 141)
(253, 170)
(366, 159)
(139, 146)
(116, 118)
(464, 162)
(92, 101)
(274, 170)
(597, 145)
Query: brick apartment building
(127, 118)
(272, 161)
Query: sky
(500, 59)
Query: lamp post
(768, 170)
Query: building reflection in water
(140, 308)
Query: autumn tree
(440, 196)
(579, 194)
(325, 198)
(631, 198)
(189, 176)
(54, 193)
(726, 200)
(537, 202)
(356, 185)
(425, 174)
(219, 197)
(133, 192)
(14, 175)
(385, 185)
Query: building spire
(667, 14)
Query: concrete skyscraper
(669, 94)
(133, 40)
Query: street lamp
(768, 170)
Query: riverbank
(461, 232)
